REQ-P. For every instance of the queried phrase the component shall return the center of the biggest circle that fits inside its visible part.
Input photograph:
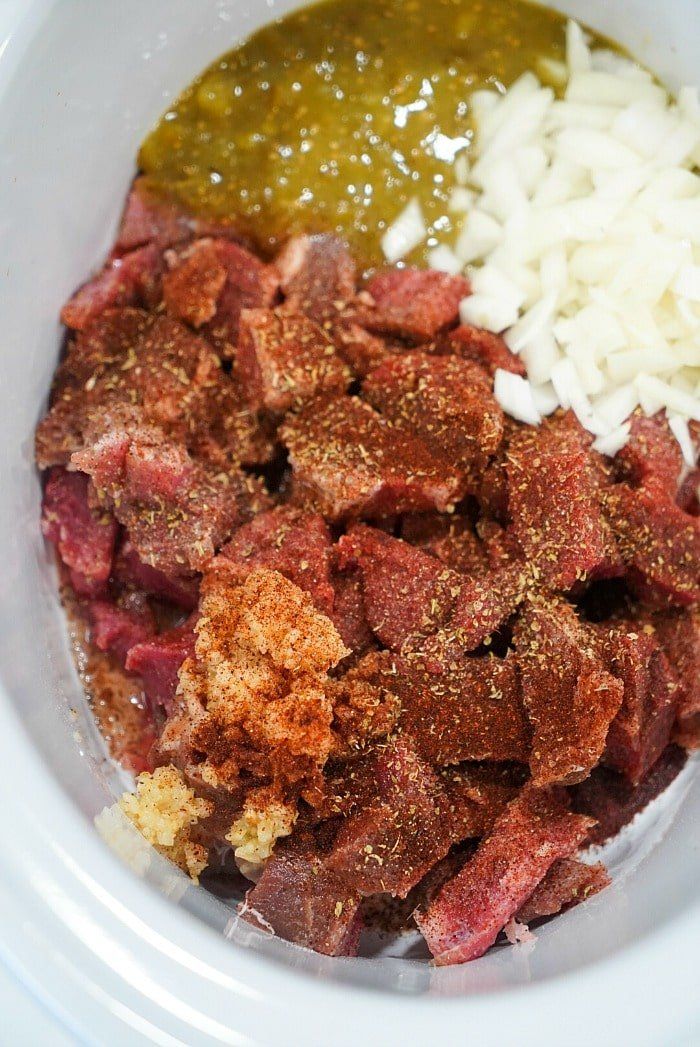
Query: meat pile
(403, 646)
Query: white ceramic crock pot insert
(81, 81)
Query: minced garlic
(164, 809)
(254, 835)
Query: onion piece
(515, 396)
(613, 442)
(679, 427)
(405, 233)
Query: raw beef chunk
(405, 591)
(451, 539)
(567, 883)
(477, 794)
(534, 831)
(481, 607)
(659, 543)
(482, 347)
(390, 844)
(445, 401)
(284, 359)
(300, 900)
(132, 367)
(211, 281)
(678, 632)
(651, 453)
(349, 615)
(150, 218)
(131, 571)
(554, 507)
(178, 510)
(415, 304)
(642, 728)
(293, 542)
(133, 279)
(347, 462)
(117, 629)
(84, 536)
(470, 709)
(158, 661)
(613, 801)
(317, 276)
(361, 349)
(570, 697)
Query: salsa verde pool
(334, 116)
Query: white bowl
(80, 83)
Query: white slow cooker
(121, 958)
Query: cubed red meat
(347, 462)
(132, 279)
(554, 507)
(349, 615)
(133, 368)
(284, 359)
(293, 542)
(300, 900)
(193, 286)
(642, 727)
(117, 628)
(451, 539)
(679, 634)
(177, 510)
(570, 697)
(157, 662)
(535, 830)
(361, 349)
(84, 536)
(613, 801)
(389, 845)
(317, 276)
(481, 607)
(405, 591)
(445, 401)
(482, 347)
(211, 281)
(149, 218)
(131, 571)
(416, 304)
(651, 453)
(477, 794)
(659, 543)
(568, 883)
(469, 709)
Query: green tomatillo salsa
(335, 116)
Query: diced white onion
(488, 311)
(461, 200)
(443, 258)
(546, 400)
(618, 405)
(515, 396)
(679, 427)
(578, 57)
(405, 233)
(612, 442)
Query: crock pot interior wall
(80, 83)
